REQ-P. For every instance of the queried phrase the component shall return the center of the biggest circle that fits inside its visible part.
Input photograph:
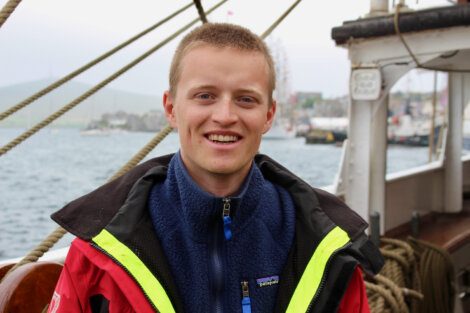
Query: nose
(225, 112)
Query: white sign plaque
(365, 84)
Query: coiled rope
(87, 66)
(398, 283)
(97, 87)
(417, 277)
(7, 9)
(436, 271)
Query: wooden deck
(447, 230)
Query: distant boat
(281, 129)
(405, 130)
(95, 132)
(105, 131)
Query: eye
(247, 99)
(204, 96)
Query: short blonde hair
(221, 35)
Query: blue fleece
(188, 222)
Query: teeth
(223, 138)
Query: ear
(168, 106)
(270, 117)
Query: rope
(99, 86)
(437, 274)
(200, 11)
(139, 156)
(379, 306)
(7, 9)
(399, 276)
(87, 66)
(407, 47)
(279, 20)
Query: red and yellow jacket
(118, 265)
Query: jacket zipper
(217, 255)
(323, 279)
(246, 301)
(227, 219)
(129, 273)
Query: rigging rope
(200, 10)
(412, 55)
(97, 87)
(59, 232)
(279, 20)
(7, 9)
(87, 66)
(139, 156)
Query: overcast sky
(49, 38)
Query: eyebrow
(238, 91)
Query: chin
(225, 169)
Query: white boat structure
(382, 48)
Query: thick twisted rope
(399, 276)
(99, 86)
(7, 9)
(139, 156)
(378, 306)
(437, 274)
(87, 66)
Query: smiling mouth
(223, 139)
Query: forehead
(208, 62)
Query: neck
(219, 184)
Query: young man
(215, 227)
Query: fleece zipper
(221, 233)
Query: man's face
(221, 109)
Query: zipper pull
(227, 219)
(246, 301)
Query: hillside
(104, 101)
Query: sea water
(56, 166)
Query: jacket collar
(314, 207)
(198, 208)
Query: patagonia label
(267, 281)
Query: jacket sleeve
(66, 297)
(355, 298)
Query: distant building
(308, 99)
(149, 122)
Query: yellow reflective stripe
(137, 269)
(312, 276)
